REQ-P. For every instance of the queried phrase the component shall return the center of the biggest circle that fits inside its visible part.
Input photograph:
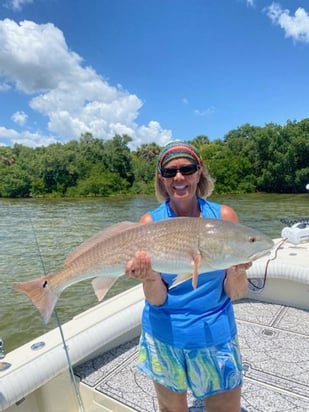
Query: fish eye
(252, 239)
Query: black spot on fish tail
(45, 284)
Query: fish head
(225, 243)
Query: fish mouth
(258, 255)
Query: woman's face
(181, 186)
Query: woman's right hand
(140, 267)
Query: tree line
(272, 158)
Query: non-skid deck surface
(274, 341)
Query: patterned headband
(175, 150)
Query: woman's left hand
(236, 282)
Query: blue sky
(153, 69)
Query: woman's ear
(199, 173)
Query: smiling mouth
(182, 187)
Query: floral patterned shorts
(205, 371)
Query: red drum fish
(181, 246)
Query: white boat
(283, 277)
(35, 378)
(101, 343)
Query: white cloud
(35, 57)
(17, 5)
(296, 26)
(250, 3)
(153, 132)
(19, 118)
(36, 60)
(4, 87)
(205, 112)
(11, 136)
(8, 133)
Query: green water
(37, 235)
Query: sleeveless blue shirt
(192, 319)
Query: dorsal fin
(103, 235)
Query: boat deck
(274, 341)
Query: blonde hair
(204, 187)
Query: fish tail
(41, 295)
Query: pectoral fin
(182, 278)
(196, 261)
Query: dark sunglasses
(184, 170)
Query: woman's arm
(236, 282)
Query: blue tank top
(192, 319)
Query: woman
(188, 338)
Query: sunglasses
(184, 170)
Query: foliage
(144, 165)
(279, 155)
(272, 158)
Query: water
(37, 235)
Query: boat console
(297, 231)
